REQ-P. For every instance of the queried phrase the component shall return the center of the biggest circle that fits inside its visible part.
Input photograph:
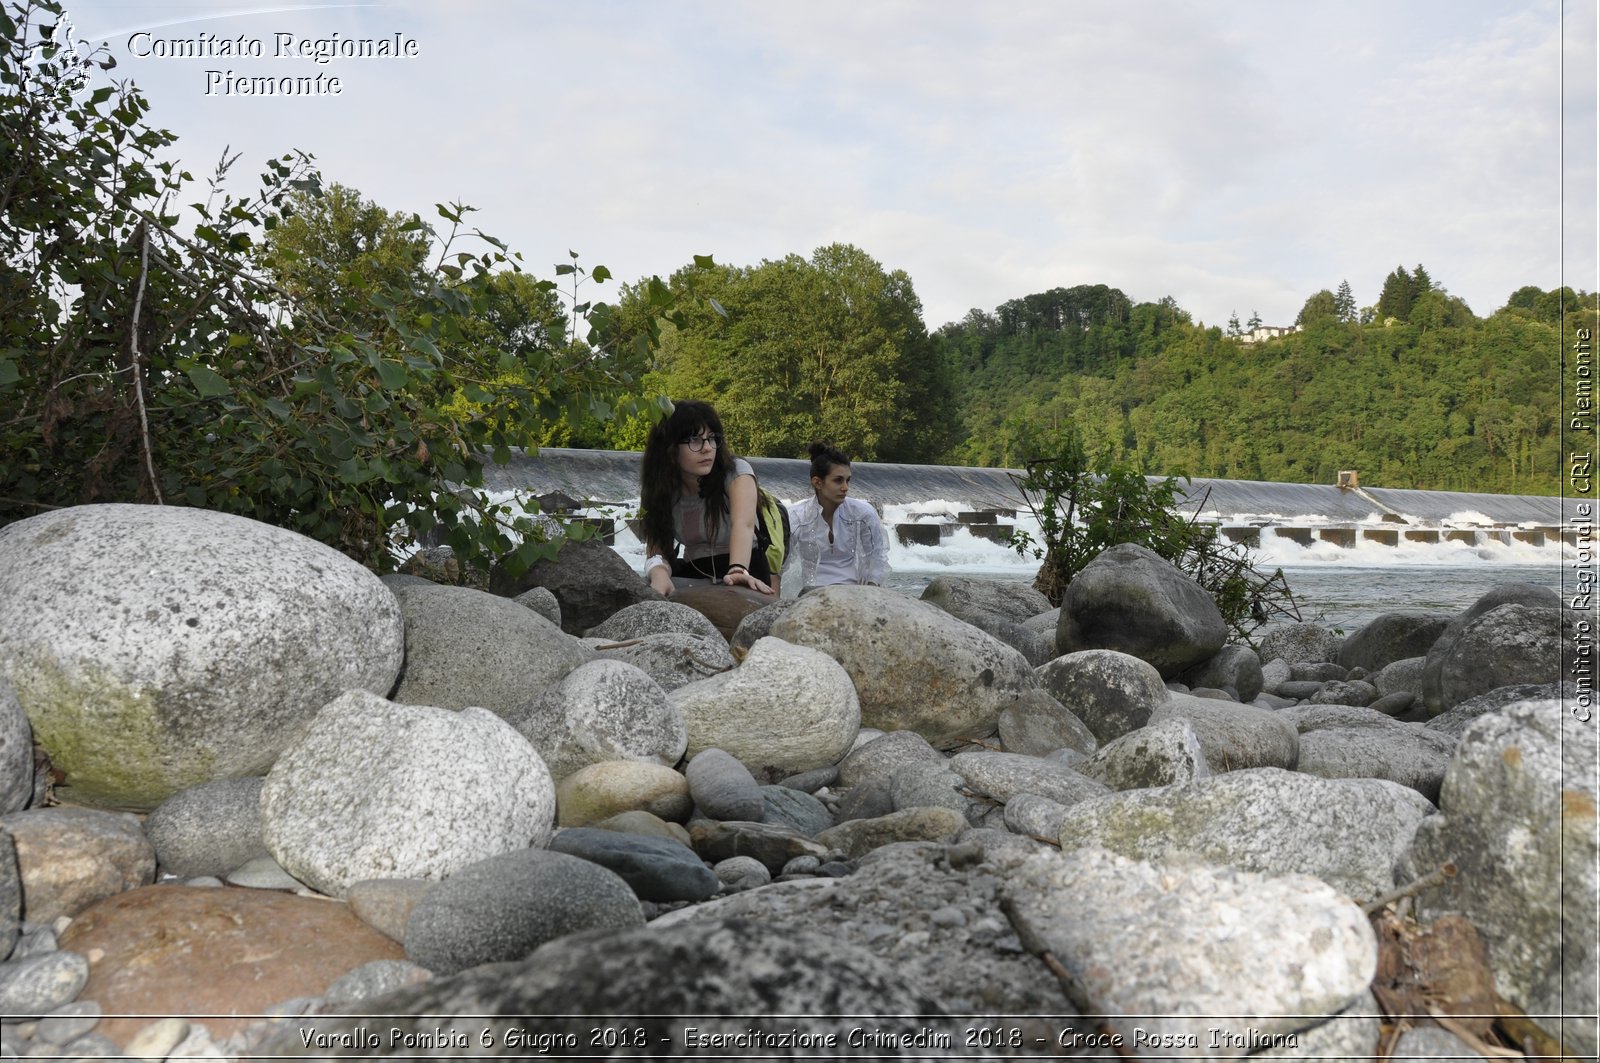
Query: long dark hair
(660, 481)
(824, 456)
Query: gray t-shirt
(689, 520)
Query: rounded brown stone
(215, 956)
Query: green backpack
(772, 529)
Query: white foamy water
(1342, 586)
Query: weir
(1243, 509)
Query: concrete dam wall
(1244, 508)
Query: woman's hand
(741, 578)
(661, 580)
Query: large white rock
(603, 710)
(785, 710)
(378, 790)
(914, 666)
(158, 647)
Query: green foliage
(1082, 511)
(1323, 306)
(264, 365)
(793, 350)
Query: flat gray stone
(656, 869)
(1160, 754)
(1233, 736)
(1004, 775)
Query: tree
(1420, 281)
(1399, 292)
(165, 367)
(1254, 322)
(1323, 306)
(1345, 302)
(832, 347)
(1233, 324)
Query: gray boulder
(70, 858)
(1345, 692)
(796, 809)
(1009, 600)
(1505, 646)
(924, 784)
(157, 647)
(542, 602)
(1403, 753)
(1233, 736)
(10, 895)
(673, 659)
(16, 752)
(1518, 822)
(1235, 668)
(1037, 647)
(504, 907)
(732, 976)
(600, 791)
(1300, 644)
(857, 837)
(467, 647)
(1038, 724)
(757, 626)
(1347, 832)
(1132, 600)
(1527, 594)
(590, 580)
(1391, 637)
(1161, 754)
(786, 709)
(208, 829)
(723, 788)
(652, 618)
(914, 666)
(1002, 776)
(373, 789)
(1308, 952)
(1402, 676)
(1111, 692)
(656, 869)
(602, 710)
(1456, 720)
(884, 755)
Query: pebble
(157, 1040)
(40, 984)
(738, 873)
(264, 873)
(68, 1023)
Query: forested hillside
(1439, 399)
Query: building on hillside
(1267, 332)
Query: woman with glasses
(697, 495)
(838, 539)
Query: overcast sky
(1237, 156)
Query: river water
(1339, 587)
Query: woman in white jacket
(838, 539)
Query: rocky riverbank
(282, 807)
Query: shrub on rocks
(603, 710)
(786, 709)
(1131, 600)
(1110, 691)
(673, 659)
(914, 666)
(1347, 832)
(157, 647)
(1233, 736)
(1237, 668)
(373, 789)
(589, 580)
(506, 906)
(467, 647)
(208, 829)
(1518, 822)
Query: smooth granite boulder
(602, 710)
(468, 647)
(673, 659)
(1391, 637)
(373, 789)
(1526, 594)
(652, 618)
(1132, 600)
(16, 752)
(1234, 736)
(1505, 646)
(208, 829)
(1160, 754)
(1518, 822)
(590, 582)
(785, 709)
(157, 647)
(914, 666)
(1300, 644)
(1011, 600)
(1110, 691)
(1236, 668)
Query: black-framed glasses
(699, 443)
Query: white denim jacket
(856, 529)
